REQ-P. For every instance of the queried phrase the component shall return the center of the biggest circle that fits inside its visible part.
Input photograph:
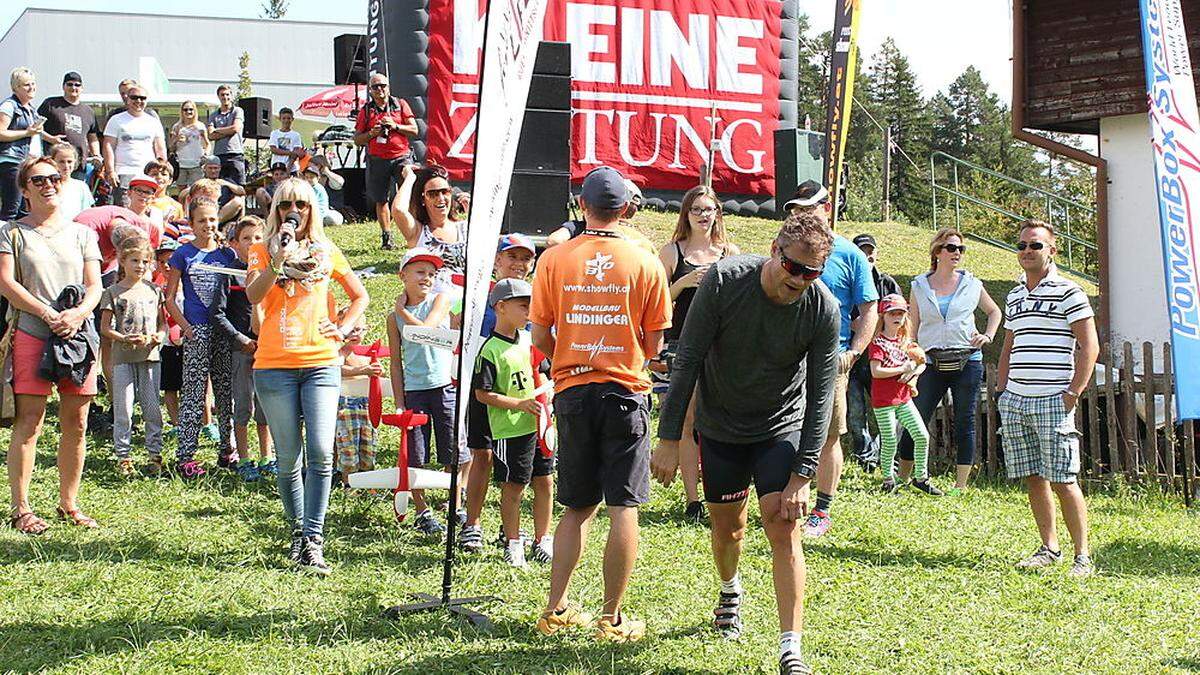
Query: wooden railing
(1125, 419)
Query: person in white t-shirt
(74, 195)
(189, 143)
(286, 145)
(131, 139)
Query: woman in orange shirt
(297, 376)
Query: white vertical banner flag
(513, 30)
(1175, 130)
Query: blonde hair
(19, 73)
(683, 227)
(935, 245)
(294, 189)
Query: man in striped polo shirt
(1041, 376)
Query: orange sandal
(78, 518)
(28, 523)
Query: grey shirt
(764, 369)
(48, 262)
(229, 144)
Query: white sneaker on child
(514, 554)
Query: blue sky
(940, 37)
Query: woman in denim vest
(942, 305)
(19, 122)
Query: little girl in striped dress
(896, 361)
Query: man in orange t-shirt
(608, 302)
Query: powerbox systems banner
(514, 29)
(1175, 128)
(646, 77)
(377, 58)
(844, 61)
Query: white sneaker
(514, 554)
(543, 551)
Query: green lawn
(191, 577)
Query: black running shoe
(312, 558)
(928, 488)
(387, 244)
(727, 618)
(791, 664)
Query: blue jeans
(964, 386)
(291, 398)
(10, 191)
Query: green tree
(275, 9)
(895, 99)
(244, 86)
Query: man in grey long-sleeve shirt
(761, 338)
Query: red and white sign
(647, 74)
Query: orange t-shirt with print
(602, 294)
(290, 335)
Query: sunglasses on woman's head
(42, 179)
(799, 269)
(954, 248)
(287, 204)
(1035, 245)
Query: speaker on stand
(256, 126)
(541, 180)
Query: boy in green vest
(503, 382)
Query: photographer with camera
(384, 127)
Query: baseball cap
(893, 302)
(212, 160)
(279, 165)
(865, 239)
(516, 240)
(168, 244)
(507, 289)
(604, 188)
(420, 254)
(808, 193)
(635, 193)
(144, 180)
(72, 76)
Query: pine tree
(244, 86)
(275, 9)
(895, 100)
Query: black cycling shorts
(728, 468)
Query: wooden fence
(1125, 420)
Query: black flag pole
(425, 601)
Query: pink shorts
(27, 354)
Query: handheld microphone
(287, 229)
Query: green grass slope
(191, 578)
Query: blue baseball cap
(604, 188)
(516, 240)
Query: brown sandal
(78, 518)
(28, 523)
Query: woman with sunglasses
(40, 256)
(423, 213)
(296, 370)
(188, 143)
(698, 241)
(942, 306)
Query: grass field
(191, 577)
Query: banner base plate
(428, 603)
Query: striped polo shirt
(1042, 362)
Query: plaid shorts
(354, 438)
(1039, 437)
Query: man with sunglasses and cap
(70, 117)
(761, 338)
(858, 388)
(384, 126)
(848, 276)
(131, 140)
(1050, 349)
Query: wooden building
(1077, 68)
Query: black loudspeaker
(258, 117)
(545, 143)
(537, 202)
(350, 59)
(354, 192)
(553, 58)
(549, 92)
